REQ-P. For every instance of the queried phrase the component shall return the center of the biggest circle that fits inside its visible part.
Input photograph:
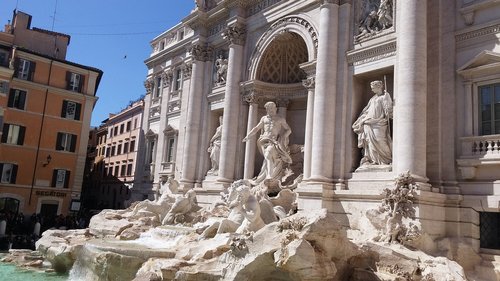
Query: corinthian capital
(323, 2)
(166, 77)
(309, 82)
(251, 97)
(235, 34)
(201, 52)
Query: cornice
(374, 53)
(477, 33)
(269, 91)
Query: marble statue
(372, 127)
(214, 149)
(171, 186)
(375, 19)
(273, 144)
(244, 215)
(384, 14)
(221, 66)
(182, 206)
(160, 206)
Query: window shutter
(73, 143)
(16, 67)
(54, 177)
(68, 80)
(22, 100)
(10, 102)
(80, 85)
(66, 179)
(1, 171)
(32, 71)
(78, 111)
(64, 106)
(58, 141)
(5, 132)
(13, 175)
(20, 137)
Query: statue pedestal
(374, 168)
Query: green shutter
(73, 143)
(13, 175)
(64, 107)
(66, 179)
(78, 111)
(54, 177)
(20, 137)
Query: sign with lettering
(50, 193)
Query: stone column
(410, 115)
(309, 83)
(282, 105)
(232, 102)
(200, 54)
(325, 91)
(166, 77)
(251, 144)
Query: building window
(113, 150)
(178, 79)
(66, 142)
(129, 169)
(17, 99)
(116, 131)
(135, 123)
(489, 107)
(8, 173)
(117, 168)
(4, 87)
(157, 92)
(71, 110)
(13, 134)
(119, 149)
(170, 150)
(60, 178)
(132, 146)
(74, 82)
(4, 58)
(125, 148)
(123, 170)
(108, 151)
(181, 34)
(122, 128)
(489, 224)
(129, 123)
(162, 45)
(25, 69)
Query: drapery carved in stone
(235, 34)
(373, 17)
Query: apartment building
(46, 104)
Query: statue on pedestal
(372, 127)
(214, 150)
(221, 66)
(273, 144)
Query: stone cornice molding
(476, 33)
(468, 10)
(169, 131)
(282, 102)
(309, 68)
(270, 91)
(235, 34)
(251, 97)
(150, 135)
(371, 54)
(201, 52)
(325, 2)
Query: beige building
(46, 104)
(117, 157)
(438, 62)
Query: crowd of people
(22, 232)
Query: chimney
(8, 27)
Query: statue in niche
(214, 150)
(273, 144)
(374, 18)
(221, 66)
(372, 127)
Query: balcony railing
(481, 146)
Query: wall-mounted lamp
(47, 161)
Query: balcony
(478, 151)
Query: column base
(213, 184)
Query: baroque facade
(434, 62)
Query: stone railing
(481, 146)
(167, 168)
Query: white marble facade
(440, 65)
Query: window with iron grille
(489, 223)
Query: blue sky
(102, 33)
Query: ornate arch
(293, 24)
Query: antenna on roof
(17, 4)
(54, 16)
